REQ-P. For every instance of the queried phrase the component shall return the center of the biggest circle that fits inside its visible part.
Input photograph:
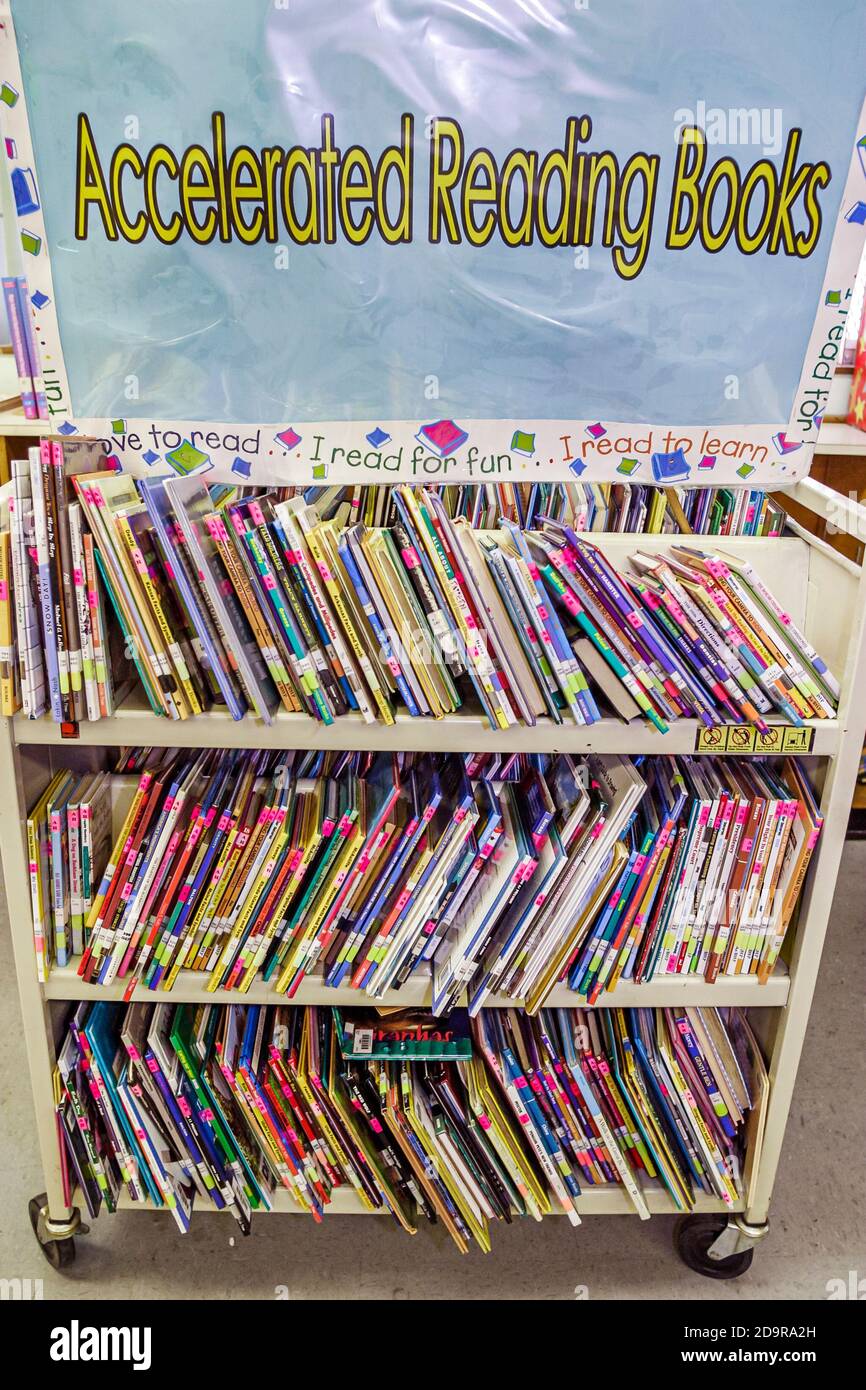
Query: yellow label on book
(798, 740)
(741, 739)
(772, 741)
(710, 740)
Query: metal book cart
(826, 595)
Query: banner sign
(440, 239)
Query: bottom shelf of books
(458, 1122)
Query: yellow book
(475, 651)
(713, 1158)
(639, 920)
(9, 701)
(163, 629)
(630, 1077)
(322, 542)
(406, 631)
(93, 925)
(310, 839)
(269, 845)
(657, 511)
(244, 838)
(209, 906)
(36, 831)
(344, 859)
(101, 495)
(322, 1114)
(398, 1123)
(539, 990)
(500, 1132)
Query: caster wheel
(60, 1254)
(693, 1236)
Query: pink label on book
(325, 572)
(184, 1107)
(224, 822)
(134, 1055)
(634, 618)
(269, 581)
(393, 666)
(747, 846)
(92, 599)
(742, 813)
(410, 557)
(484, 1122)
(571, 602)
(459, 814)
(813, 839)
(376, 1125)
(543, 613)
(520, 1082)
(704, 816)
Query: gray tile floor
(818, 1220)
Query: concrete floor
(818, 1219)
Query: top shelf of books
(166, 613)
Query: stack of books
(620, 507)
(225, 1106)
(251, 601)
(508, 874)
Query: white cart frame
(823, 590)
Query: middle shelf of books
(428, 879)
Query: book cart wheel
(59, 1250)
(693, 1238)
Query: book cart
(826, 595)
